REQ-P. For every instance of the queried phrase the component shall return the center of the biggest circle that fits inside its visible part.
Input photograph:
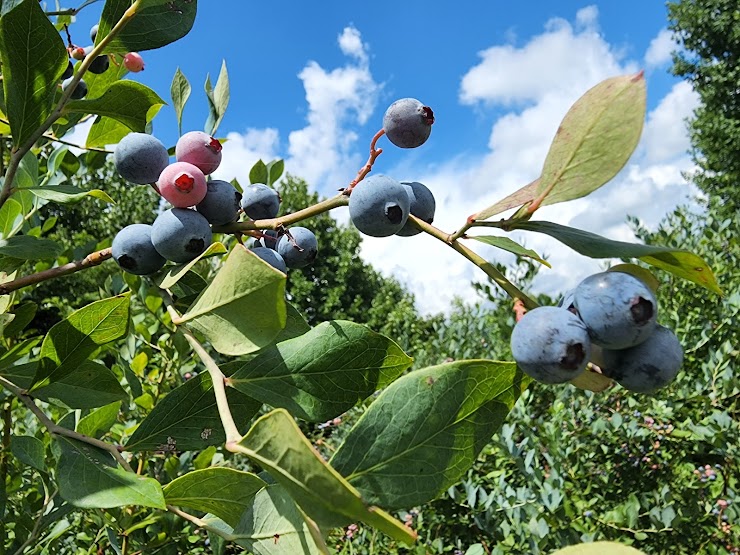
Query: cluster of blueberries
(613, 311)
(131, 61)
(183, 232)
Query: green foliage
(708, 36)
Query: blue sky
(310, 83)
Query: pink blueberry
(200, 149)
(182, 184)
(133, 62)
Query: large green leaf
(172, 274)
(156, 24)
(595, 139)
(425, 430)
(89, 478)
(323, 373)
(33, 59)
(180, 92)
(276, 444)
(98, 422)
(187, 418)
(68, 194)
(11, 214)
(224, 492)
(128, 102)
(28, 247)
(679, 262)
(71, 341)
(243, 308)
(88, 386)
(105, 131)
(29, 450)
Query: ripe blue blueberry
(269, 239)
(180, 234)
(551, 345)
(567, 302)
(299, 251)
(272, 257)
(408, 123)
(69, 72)
(141, 158)
(94, 32)
(646, 367)
(134, 252)
(422, 205)
(260, 202)
(618, 309)
(99, 65)
(79, 92)
(221, 203)
(379, 206)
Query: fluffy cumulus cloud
(659, 52)
(535, 84)
(323, 151)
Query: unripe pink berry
(77, 52)
(200, 149)
(182, 184)
(133, 62)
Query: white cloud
(350, 42)
(538, 82)
(660, 49)
(242, 150)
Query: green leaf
(105, 131)
(425, 430)
(276, 444)
(71, 341)
(156, 24)
(243, 308)
(274, 514)
(180, 92)
(11, 214)
(507, 244)
(172, 274)
(295, 324)
(595, 139)
(258, 173)
(33, 58)
(28, 171)
(323, 373)
(218, 99)
(600, 548)
(187, 418)
(24, 314)
(89, 478)
(224, 492)
(28, 247)
(678, 262)
(128, 102)
(29, 450)
(89, 385)
(275, 171)
(98, 422)
(68, 194)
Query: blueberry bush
(178, 407)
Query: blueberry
(407, 123)
(648, 366)
(140, 158)
(421, 205)
(260, 202)
(221, 203)
(134, 252)
(180, 234)
(379, 206)
(270, 239)
(551, 345)
(301, 250)
(618, 309)
(80, 90)
(99, 65)
(182, 184)
(200, 149)
(69, 72)
(94, 32)
(272, 257)
(133, 62)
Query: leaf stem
(19, 152)
(498, 278)
(59, 430)
(93, 259)
(217, 377)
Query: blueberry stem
(367, 168)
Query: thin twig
(367, 168)
(200, 523)
(94, 259)
(54, 429)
